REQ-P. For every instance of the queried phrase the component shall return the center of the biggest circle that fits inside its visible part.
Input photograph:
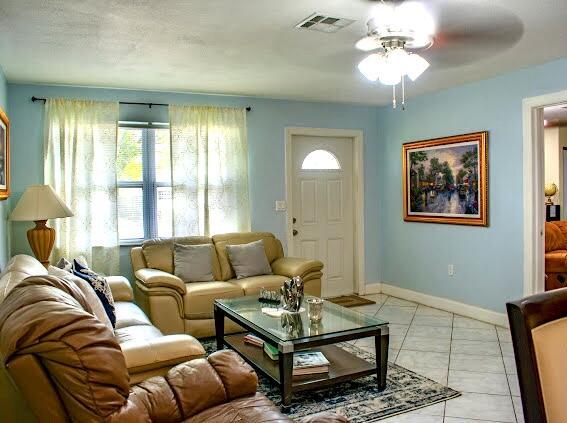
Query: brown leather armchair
(555, 254)
(539, 328)
(69, 367)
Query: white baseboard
(462, 309)
(373, 288)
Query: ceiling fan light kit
(393, 30)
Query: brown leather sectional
(555, 255)
(69, 366)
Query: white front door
(323, 206)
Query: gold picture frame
(4, 155)
(445, 180)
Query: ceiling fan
(397, 30)
(403, 37)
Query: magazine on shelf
(253, 340)
(309, 359)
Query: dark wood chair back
(539, 333)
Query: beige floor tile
(514, 385)
(459, 420)
(510, 365)
(426, 344)
(398, 302)
(420, 320)
(507, 349)
(413, 418)
(395, 314)
(475, 334)
(517, 401)
(416, 360)
(464, 346)
(476, 363)
(430, 311)
(397, 329)
(497, 408)
(370, 309)
(467, 322)
(430, 331)
(480, 383)
(503, 334)
(378, 298)
(437, 375)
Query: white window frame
(149, 184)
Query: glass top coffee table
(294, 332)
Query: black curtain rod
(34, 99)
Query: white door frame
(357, 137)
(534, 207)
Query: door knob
(294, 232)
(293, 220)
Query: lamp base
(41, 239)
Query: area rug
(360, 400)
(350, 300)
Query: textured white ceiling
(250, 47)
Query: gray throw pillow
(249, 259)
(193, 263)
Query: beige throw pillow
(249, 259)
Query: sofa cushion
(249, 260)
(129, 314)
(193, 263)
(198, 302)
(138, 332)
(87, 291)
(158, 252)
(253, 285)
(272, 246)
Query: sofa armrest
(146, 354)
(157, 278)
(121, 288)
(294, 266)
(556, 261)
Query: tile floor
(468, 355)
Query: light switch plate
(280, 205)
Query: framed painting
(4, 155)
(445, 180)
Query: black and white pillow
(100, 286)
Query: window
(320, 160)
(144, 182)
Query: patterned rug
(350, 300)
(360, 400)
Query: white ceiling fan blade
(368, 44)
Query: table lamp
(39, 203)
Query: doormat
(350, 300)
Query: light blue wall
(488, 261)
(266, 123)
(4, 205)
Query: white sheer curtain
(80, 165)
(209, 168)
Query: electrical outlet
(280, 205)
(451, 270)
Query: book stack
(271, 351)
(309, 363)
(253, 340)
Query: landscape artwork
(4, 156)
(446, 180)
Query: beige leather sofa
(178, 307)
(146, 350)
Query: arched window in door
(320, 160)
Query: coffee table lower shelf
(344, 366)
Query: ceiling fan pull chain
(394, 96)
(403, 93)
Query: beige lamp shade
(40, 202)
